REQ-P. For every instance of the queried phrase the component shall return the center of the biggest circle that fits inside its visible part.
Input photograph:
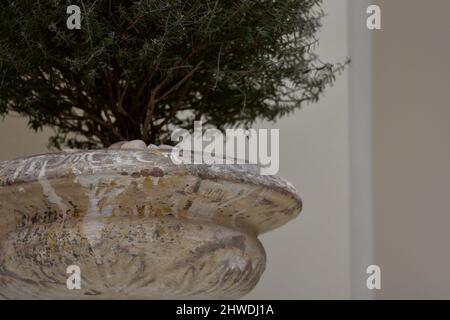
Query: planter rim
(155, 164)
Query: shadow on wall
(17, 140)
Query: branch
(177, 86)
(149, 114)
(120, 102)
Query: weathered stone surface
(165, 147)
(137, 225)
(152, 147)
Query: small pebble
(134, 144)
(117, 145)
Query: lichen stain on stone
(153, 172)
(148, 183)
(141, 210)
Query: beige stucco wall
(17, 140)
(411, 89)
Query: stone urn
(135, 225)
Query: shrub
(137, 69)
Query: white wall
(360, 137)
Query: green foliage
(137, 69)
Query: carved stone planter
(137, 225)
